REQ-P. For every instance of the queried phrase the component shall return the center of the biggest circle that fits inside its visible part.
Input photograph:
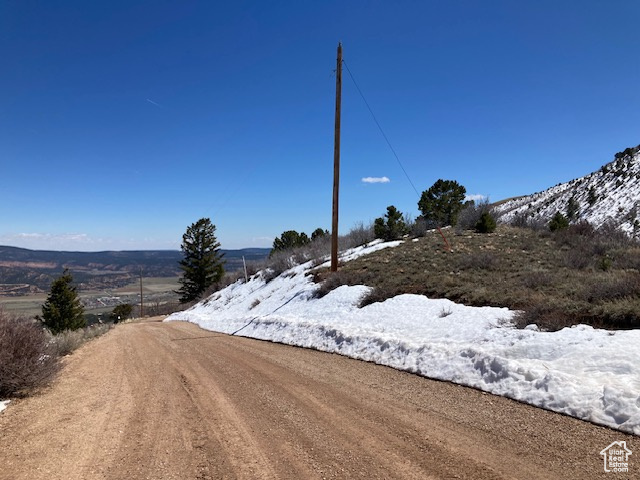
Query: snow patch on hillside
(581, 371)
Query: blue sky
(121, 123)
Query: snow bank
(583, 372)
(4, 404)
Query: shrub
(520, 220)
(576, 259)
(420, 227)
(27, 361)
(613, 235)
(546, 317)
(254, 304)
(583, 228)
(121, 312)
(558, 222)
(536, 279)
(359, 235)
(526, 220)
(278, 263)
(614, 288)
(164, 308)
(66, 342)
(375, 295)
(330, 283)
(479, 261)
(316, 251)
(471, 213)
(486, 223)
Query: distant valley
(24, 272)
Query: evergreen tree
(289, 240)
(393, 227)
(202, 265)
(572, 208)
(443, 202)
(62, 310)
(319, 233)
(486, 223)
(558, 222)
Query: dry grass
(66, 342)
(574, 276)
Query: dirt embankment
(171, 401)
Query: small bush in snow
(377, 294)
(279, 262)
(330, 283)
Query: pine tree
(442, 203)
(393, 228)
(558, 222)
(319, 233)
(202, 265)
(62, 310)
(486, 223)
(289, 240)
(573, 208)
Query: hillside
(25, 271)
(558, 279)
(581, 371)
(610, 195)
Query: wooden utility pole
(336, 164)
(141, 303)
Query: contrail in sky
(156, 104)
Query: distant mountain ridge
(23, 270)
(609, 195)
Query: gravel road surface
(156, 400)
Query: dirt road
(171, 401)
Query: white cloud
(375, 180)
(50, 241)
(476, 197)
(80, 242)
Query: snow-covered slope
(611, 194)
(583, 372)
